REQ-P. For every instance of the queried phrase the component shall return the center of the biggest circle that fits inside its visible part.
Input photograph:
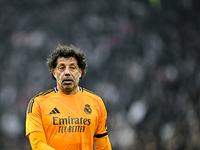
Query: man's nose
(67, 71)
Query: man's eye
(72, 67)
(61, 68)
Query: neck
(69, 91)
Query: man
(67, 117)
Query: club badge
(87, 109)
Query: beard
(68, 84)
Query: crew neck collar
(79, 92)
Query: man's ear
(53, 72)
(81, 70)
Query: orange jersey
(68, 121)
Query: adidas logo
(54, 111)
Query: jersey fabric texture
(68, 121)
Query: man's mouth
(67, 81)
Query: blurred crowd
(143, 60)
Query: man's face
(67, 74)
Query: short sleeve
(101, 130)
(101, 139)
(33, 117)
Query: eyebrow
(60, 64)
(73, 64)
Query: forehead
(68, 60)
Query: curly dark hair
(65, 51)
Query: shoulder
(93, 96)
(35, 100)
(45, 93)
(90, 93)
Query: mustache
(67, 79)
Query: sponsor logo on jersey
(54, 111)
(71, 121)
(71, 124)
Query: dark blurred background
(143, 60)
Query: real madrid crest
(87, 109)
